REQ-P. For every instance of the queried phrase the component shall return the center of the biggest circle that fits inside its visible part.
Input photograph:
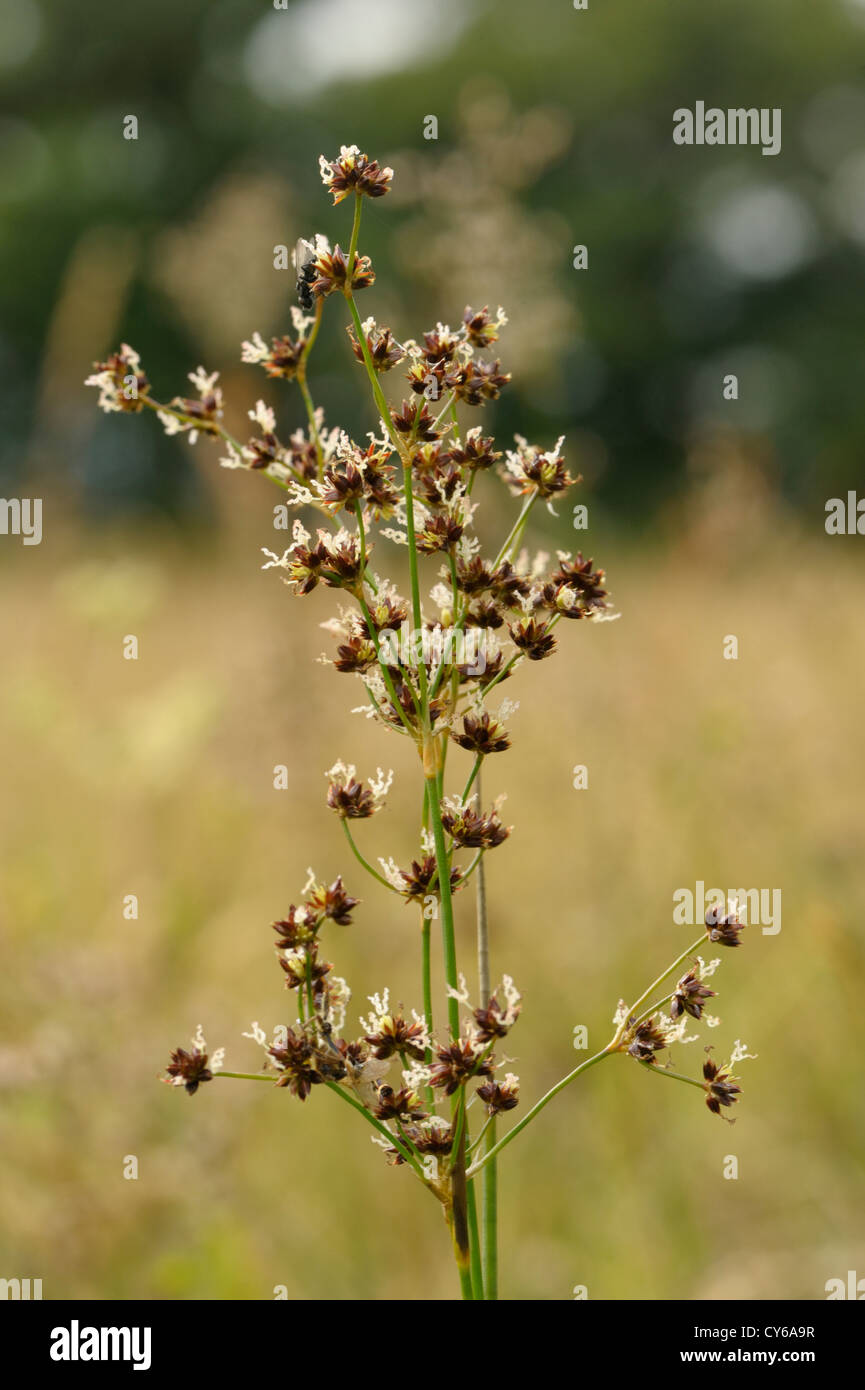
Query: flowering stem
(515, 530)
(481, 1133)
(545, 1100)
(444, 885)
(310, 413)
(384, 671)
(446, 407)
(673, 1075)
(459, 1198)
(355, 229)
(475, 772)
(490, 1191)
(473, 865)
(653, 986)
(361, 533)
(245, 1076)
(413, 574)
(304, 389)
(647, 1013)
(474, 1244)
(426, 972)
(382, 1128)
(360, 859)
(489, 1181)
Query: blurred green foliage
(555, 129)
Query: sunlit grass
(154, 777)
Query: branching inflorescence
(430, 671)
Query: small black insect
(304, 260)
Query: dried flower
(457, 1063)
(394, 1035)
(383, 349)
(188, 1069)
(499, 1096)
(648, 1038)
(121, 382)
(472, 829)
(724, 928)
(281, 359)
(720, 1086)
(331, 272)
(295, 1059)
(482, 734)
(354, 172)
(689, 996)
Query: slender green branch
(363, 862)
(381, 403)
(446, 900)
(481, 1132)
(653, 986)
(313, 427)
(247, 1076)
(467, 873)
(391, 690)
(490, 1218)
(426, 973)
(383, 1130)
(474, 1244)
(415, 584)
(355, 229)
(647, 1013)
(536, 1110)
(515, 530)
(673, 1075)
(475, 772)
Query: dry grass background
(154, 777)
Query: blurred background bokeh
(155, 777)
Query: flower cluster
(429, 650)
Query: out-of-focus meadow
(155, 777)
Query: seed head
(353, 172)
(499, 1096)
(724, 928)
(188, 1069)
(482, 734)
(689, 996)
(720, 1086)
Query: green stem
(247, 1076)
(426, 971)
(673, 1075)
(647, 1013)
(383, 407)
(474, 773)
(489, 1179)
(310, 413)
(383, 668)
(474, 1244)
(515, 530)
(446, 899)
(413, 574)
(360, 859)
(490, 1216)
(536, 1109)
(669, 970)
(355, 229)
(459, 1216)
(383, 1130)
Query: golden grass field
(155, 778)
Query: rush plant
(429, 1083)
